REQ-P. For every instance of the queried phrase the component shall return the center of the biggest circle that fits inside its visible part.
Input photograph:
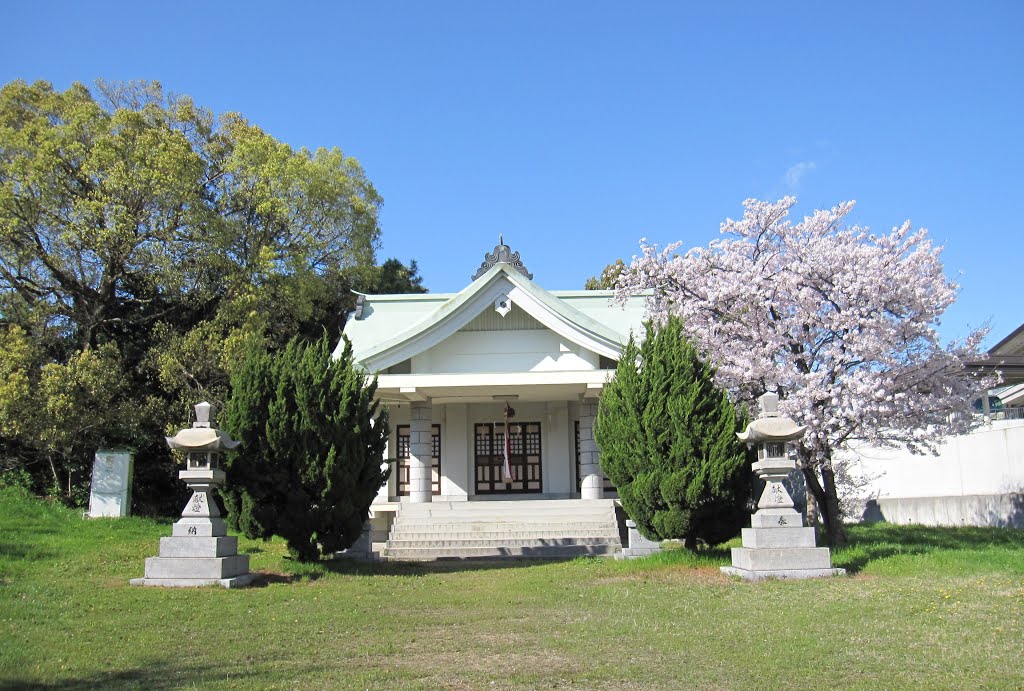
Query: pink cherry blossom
(842, 322)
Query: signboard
(111, 494)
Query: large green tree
(667, 437)
(312, 441)
(118, 210)
(141, 231)
(609, 276)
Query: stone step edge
(498, 510)
(540, 553)
(410, 523)
(522, 542)
(510, 534)
(496, 503)
(508, 515)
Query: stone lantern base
(779, 546)
(199, 552)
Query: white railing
(1008, 414)
(1004, 414)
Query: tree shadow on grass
(156, 675)
(873, 542)
(412, 568)
(265, 578)
(27, 551)
(718, 551)
(353, 567)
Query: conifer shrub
(312, 440)
(667, 437)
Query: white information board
(111, 494)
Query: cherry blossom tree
(839, 321)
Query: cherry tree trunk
(827, 501)
(833, 514)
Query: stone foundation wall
(995, 510)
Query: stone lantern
(199, 551)
(777, 545)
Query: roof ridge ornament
(502, 254)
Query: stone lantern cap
(770, 426)
(764, 430)
(198, 439)
(202, 436)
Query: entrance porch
(452, 452)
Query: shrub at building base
(667, 437)
(312, 440)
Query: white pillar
(420, 448)
(457, 464)
(592, 486)
(559, 463)
(384, 490)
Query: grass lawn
(924, 607)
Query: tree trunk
(690, 542)
(828, 503)
(53, 469)
(836, 529)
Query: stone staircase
(544, 529)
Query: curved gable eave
(568, 323)
(501, 280)
(442, 323)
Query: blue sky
(576, 128)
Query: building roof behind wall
(1011, 345)
(1005, 357)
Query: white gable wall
(539, 350)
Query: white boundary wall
(977, 479)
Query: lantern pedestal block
(756, 563)
(200, 527)
(199, 551)
(776, 551)
(777, 545)
(777, 518)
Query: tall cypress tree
(309, 464)
(667, 437)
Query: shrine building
(451, 366)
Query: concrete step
(551, 552)
(507, 516)
(490, 533)
(404, 542)
(503, 510)
(485, 507)
(404, 523)
(496, 529)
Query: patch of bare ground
(456, 662)
(696, 575)
(265, 578)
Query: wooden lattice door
(524, 458)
